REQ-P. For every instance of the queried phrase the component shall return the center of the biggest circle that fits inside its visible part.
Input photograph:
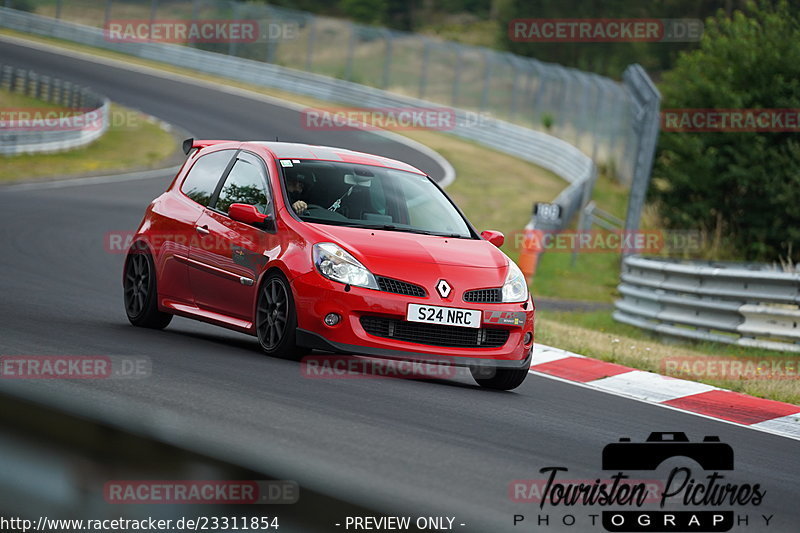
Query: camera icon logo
(710, 454)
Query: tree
(745, 186)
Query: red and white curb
(690, 396)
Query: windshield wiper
(392, 227)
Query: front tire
(499, 378)
(276, 319)
(141, 291)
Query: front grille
(484, 296)
(400, 287)
(434, 334)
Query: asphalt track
(410, 446)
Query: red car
(311, 247)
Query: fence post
(423, 74)
(312, 37)
(351, 50)
(512, 107)
(648, 98)
(153, 13)
(58, 9)
(487, 79)
(107, 13)
(387, 64)
(457, 76)
(232, 45)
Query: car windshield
(372, 197)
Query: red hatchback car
(311, 247)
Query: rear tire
(276, 319)
(499, 378)
(141, 290)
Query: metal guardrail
(748, 305)
(592, 112)
(50, 130)
(554, 154)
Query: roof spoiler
(190, 144)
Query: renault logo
(443, 288)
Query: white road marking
(651, 387)
(785, 425)
(545, 354)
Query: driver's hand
(299, 206)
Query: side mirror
(248, 214)
(495, 237)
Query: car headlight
(515, 288)
(336, 264)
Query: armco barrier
(87, 124)
(556, 155)
(748, 305)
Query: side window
(245, 185)
(201, 182)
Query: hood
(377, 247)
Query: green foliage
(365, 11)
(742, 186)
(22, 5)
(608, 58)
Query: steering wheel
(312, 206)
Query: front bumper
(316, 296)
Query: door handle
(202, 230)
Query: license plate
(449, 316)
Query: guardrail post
(20, 80)
(44, 88)
(66, 94)
(6, 77)
(58, 9)
(32, 84)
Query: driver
(295, 187)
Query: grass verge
(597, 335)
(133, 141)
